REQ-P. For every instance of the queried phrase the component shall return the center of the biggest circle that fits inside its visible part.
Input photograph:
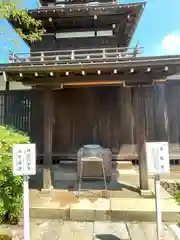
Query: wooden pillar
(140, 126)
(48, 130)
(6, 103)
(7, 85)
(161, 117)
(151, 123)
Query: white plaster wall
(12, 85)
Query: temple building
(89, 87)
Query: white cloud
(171, 44)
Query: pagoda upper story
(84, 24)
(87, 44)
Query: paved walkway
(59, 230)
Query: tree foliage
(27, 27)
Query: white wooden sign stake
(158, 162)
(24, 164)
(26, 208)
(158, 206)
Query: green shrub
(177, 196)
(10, 187)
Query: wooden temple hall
(88, 88)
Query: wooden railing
(80, 55)
(77, 3)
(84, 3)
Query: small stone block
(46, 191)
(170, 216)
(102, 209)
(122, 165)
(65, 212)
(146, 193)
(170, 210)
(129, 209)
(90, 194)
(82, 211)
(49, 209)
(132, 215)
(43, 213)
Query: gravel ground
(56, 229)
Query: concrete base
(63, 204)
(122, 203)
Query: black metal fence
(15, 109)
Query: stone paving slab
(77, 231)
(109, 230)
(66, 231)
(73, 230)
(176, 230)
(147, 231)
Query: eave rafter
(68, 77)
(115, 65)
(125, 76)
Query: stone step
(67, 206)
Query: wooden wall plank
(101, 115)
(37, 119)
(92, 115)
(149, 100)
(172, 94)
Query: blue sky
(6, 39)
(158, 30)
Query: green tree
(28, 28)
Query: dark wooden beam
(48, 131)
(67, 80)
(57, 78)
(140, 126)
